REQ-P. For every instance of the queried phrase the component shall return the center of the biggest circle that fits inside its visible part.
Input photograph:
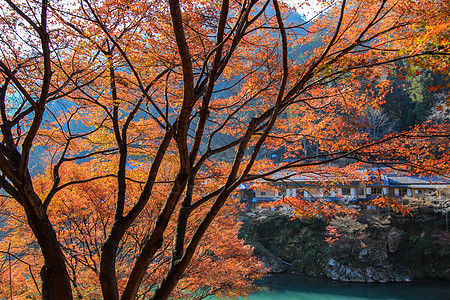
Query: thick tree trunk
(155, 240)
(108, 278)
(55, 279)
(171, 280)
(178, 267)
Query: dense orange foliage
(82, 216)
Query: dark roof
(416, 180)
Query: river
(290, 287)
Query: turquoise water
(290, 287)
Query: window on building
(346, 191)
(263, 193)
(376, 190)
(360, 191)
(403, 192)
(400, 192)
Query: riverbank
(370, 248)
(301, 287)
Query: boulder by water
(338, 271)
(273, 263)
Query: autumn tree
(83, 216)
(157, 92)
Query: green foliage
(413, 95)
(286, 238)
(425, 254)
(423, 248)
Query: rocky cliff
(382, 252)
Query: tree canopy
(132, 104)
